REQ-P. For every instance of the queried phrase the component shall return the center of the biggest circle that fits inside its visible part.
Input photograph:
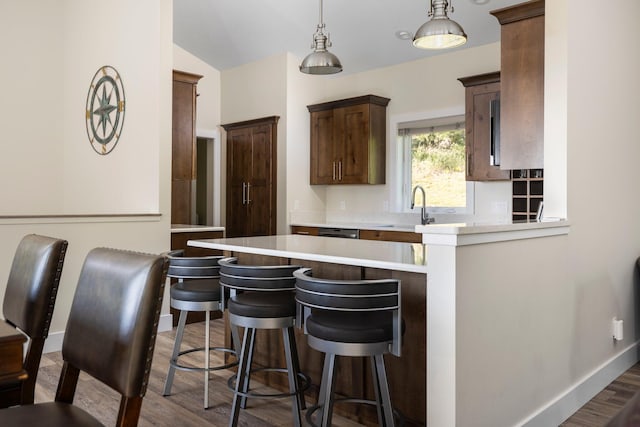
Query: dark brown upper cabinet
(482, 95)
(522, 85)
(348, 141)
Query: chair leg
(384, 389)
(376, 388)
(292, 373)
(296, 365)
(176, 349)
(247, 376)
(329, 375)
(242, 372)
(207, 359)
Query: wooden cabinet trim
(184, 77)
(480, 79)
(366, 99)
(251, 123)
(521, 11)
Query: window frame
(402, 173)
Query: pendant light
(439, 32)
(320, 61)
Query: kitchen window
(434, 158)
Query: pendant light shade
(320, 61)
(440, 32)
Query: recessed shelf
(527, 193)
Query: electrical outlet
(343, 205)
(618, 331)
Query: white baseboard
(54, 340)
(567, 403)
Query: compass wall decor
(105, 110)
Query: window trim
(401, 176)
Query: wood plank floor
(599, 410)
(184, 406)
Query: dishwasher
(345, 233)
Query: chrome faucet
(424, 216)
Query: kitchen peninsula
(351, 259)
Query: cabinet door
(479, 130)
(351, 136)
(323, 167)
(522, 95)
(239, 160)
(259, 198)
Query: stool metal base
(311, 411)
(243, 377)
(174, 361)
(304, 382)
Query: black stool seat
(263, 304)
(196, 290)
(351, 327)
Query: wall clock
(105, 110)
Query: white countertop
(409, 257)
(360, 226)
(191, 228)
(459, 234)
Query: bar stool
(262, 297)
(350, 318)
(197, 289)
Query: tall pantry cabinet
(183, 147)
(251, 177)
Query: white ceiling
(229, 33)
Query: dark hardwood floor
(184, 406)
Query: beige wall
(48, 166)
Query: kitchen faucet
(424, 216)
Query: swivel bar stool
(197, 289)
(350, 318)
(262, 297)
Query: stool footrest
(304, 384)
(309, 415)
(175, 364)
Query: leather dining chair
(28, 305)
(110, 335)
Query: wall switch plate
(343, 205)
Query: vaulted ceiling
(229, 33)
